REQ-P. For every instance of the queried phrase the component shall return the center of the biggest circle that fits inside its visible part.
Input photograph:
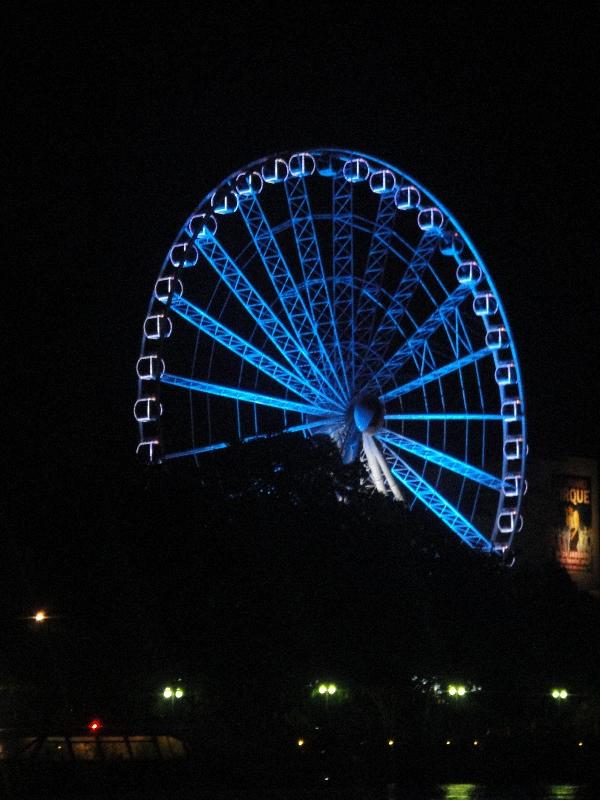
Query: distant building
(91, 748)
(561, 517)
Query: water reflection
(562, 792)
(459, 791)
(472, 791)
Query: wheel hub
(368, 413)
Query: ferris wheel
(328, 293)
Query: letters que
(576, 492)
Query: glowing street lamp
(169, 693)
(327, 688)
(40, 616)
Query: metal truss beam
(236, 344)
(419, 337)
(379, 250)
(457, 337)
(343, 269)
(283, 282)
(400, 298)
(446, 417)
(315, 282)
(431, 498)
(229, 272)
(441, 459)
(435, 374)
(222, 445)
(241, 394)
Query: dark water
(450, 791)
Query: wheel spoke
(447, 417)
(241, 394)
(406, 288)
(233, 277)
(435, 374)
(309, 426)
(287, 291)
(315, 283)
(379, 250)
(441, 459)
(236, 344)
(343, 270)
(195, 451)
(418, 338)
(431, 498)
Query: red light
(95, 725)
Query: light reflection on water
(459, 791)
(471, 791)
(563, 792)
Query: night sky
(121, 119)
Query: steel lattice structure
(327, 292)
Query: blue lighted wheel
(327, 292)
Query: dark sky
(122, 118)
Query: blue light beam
(441, 459)
(283, 282)
(236, 344)
(433, 500)
(241, 394)
(233, 277)
(435, 374)
(420, 336)
(315, 282)
(399, 301)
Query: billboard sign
(573, 525)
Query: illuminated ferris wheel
(326, 292)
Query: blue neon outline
(204, 322)
(234, 393)
(309, 251)
(275, 266)
(441, 459)
(435, 374)
(437, 503)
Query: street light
(327, 688)
(40, 616)
(172, 694)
